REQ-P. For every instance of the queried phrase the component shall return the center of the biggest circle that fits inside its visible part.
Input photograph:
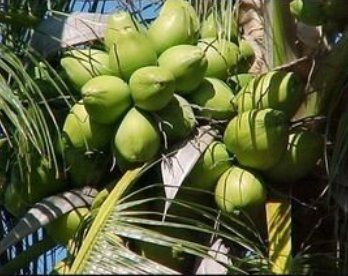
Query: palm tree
(127, 229)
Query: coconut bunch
(332, 14)
(150, 88)
(268, 148)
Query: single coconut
(152, 88)
(81, 132)
(82, 65)
(258, 138)
(13, 200)
(199, 185)
(122, 163)
(85, 168)
(106, 99)
(237, 82)
(116, 23)
(187, 63)
(43, 181)
(239, 190)
(304, 150)
(210, 166)
(277, 90)
(64, 228)
(246, 56)
(137, 138)
(100, 198)
(38, 183)
(214, 26)
(310, 12)
(245, 50)
(176, 24)
(49, 85)
(210, 26)
(177, 119)
(131, 51)
(222, 57)
(243, 101)
(215, 97)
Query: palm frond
(46, 211)
(123, 219)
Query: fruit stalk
(279, 33)
(327, 82)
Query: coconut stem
(279, 33)
(307, 120)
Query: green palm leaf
(103, 250)
(97, 248)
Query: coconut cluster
(148, 90)
(152, 86)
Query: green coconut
(237, 82)
(210, 26)
(243, 101)
(187, 63)
(226, 28)
(246, 56)
(106, 99)
(100, 198)
(239, 190)
(222, 57)
(258, 138)
(64, 228)
(210, 166)
(116, 23)
(39, 183)
(85, 168)
(137, 138)
(310, 12)
(176, 24)
(13, 200)
(132, 50)
(215, 97)
(152, 87)
(81, 132)
(82, 65)
(177, 119)
(245, 50)
(277, 90)
(303, 152)
(43, 181)
(50, 85)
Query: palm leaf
(176, 168)
(88, 260)
(117, 220)
(46, 211)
